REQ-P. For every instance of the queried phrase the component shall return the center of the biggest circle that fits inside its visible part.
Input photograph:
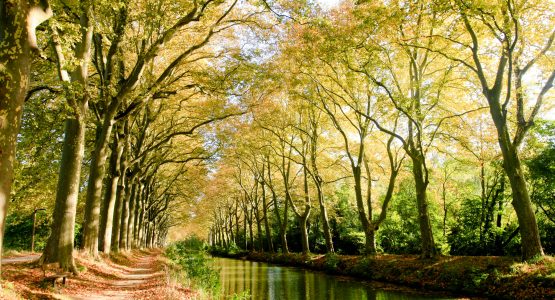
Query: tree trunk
(245, 231)
(529, 233)
(136, 216)
(304, 232)
(107, 216)
(16, 43)
(129, 229)
(12, 94)
(325, 219)
(126, 196)
(237, 222)
(118, 213)
(421, 185)
(124, 217)
(266, 222)
(258, 227)
(59, 247)
(251, 235)
(369, 245)
(283, 228)
(303, 218)
(94, 187)
(140, 225)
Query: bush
(191, 258)
(399, 233)
(19, 229)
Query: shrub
(192, 259)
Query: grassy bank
(497, 277)
(190, 265)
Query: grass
(192, 266)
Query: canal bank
(496, 277)
(245, 279)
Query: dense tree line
(412, 117)
(114, 101)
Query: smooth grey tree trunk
(61, 241)
(107, 216)
(265, 216)
(421, 185)
(118, 214)
(529, 232)
(325, 219)
(91, 221)
(129, 227)
(124, 217)
(59, 247)
(138, 211)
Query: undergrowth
(192, 266)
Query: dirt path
(139, 275)
(130, 282)
(20, 259)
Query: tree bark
(118, 213)
(140, 223)
(529, 233)
(107, 216)
(421, 184)
(16, 43)
(282, 226)
(60, 243)
(94, 187)
(265, 216)
(325, 220)
(318, 182)
(124, 217)
(59, 247)
(129, 227)
(369, 244)
(136, 215)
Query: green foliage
(348, 237)
(38, 153)
(191, 258)
(542, 181)
(19, 229)
(399, 233)
(332, 261)
(470, 236)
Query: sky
(327, 4)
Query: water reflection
(264, 281)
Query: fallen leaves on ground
(128, 275)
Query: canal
(266, 281)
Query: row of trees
(147, 77)
(375, 93)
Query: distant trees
(134, 61)
(404, 79)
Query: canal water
(266, 281)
